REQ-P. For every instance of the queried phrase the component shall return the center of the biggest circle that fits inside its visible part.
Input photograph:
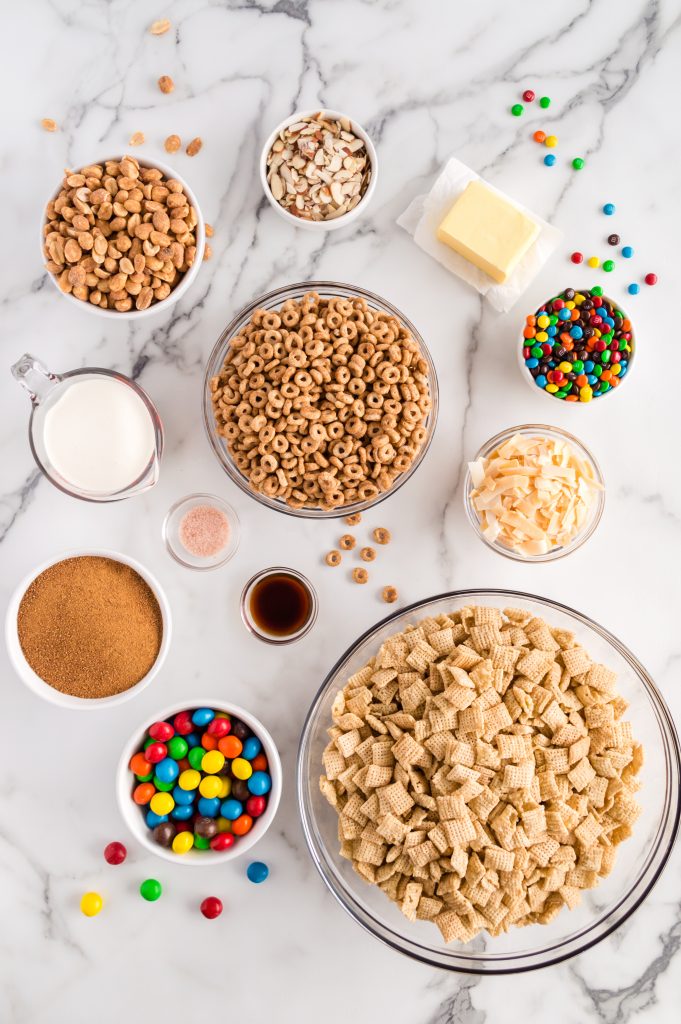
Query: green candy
(201, 843)
(517, 109)
(578, 366)
(537, 351)
(544, 102)
(578, 163)
(597, 370)
(144, 778)
(196, 755)
(150, 890)
(597, 290)
(163, 787)
(603, 386)
(608, 265)
(605, 356)
(624, 345)
(553, 319)
(177, 748)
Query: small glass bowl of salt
(201, 531)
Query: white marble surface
(427, 80)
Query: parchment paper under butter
(424, 214)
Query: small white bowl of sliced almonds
(319, 169)
(123, 237)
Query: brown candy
(206, 827)
(164, 833)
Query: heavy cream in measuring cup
(99, 435)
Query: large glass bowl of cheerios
(320, 399)
(488, 782)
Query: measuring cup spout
(35, 378)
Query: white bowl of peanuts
(319, 169)
(154, 219)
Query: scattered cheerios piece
(48, 125)
(354, 520)
(367, 554)
(160, 27)
(389, 595)
(347, 542)
(381, 535)
(333, 558)
(166, 84)
(360, 575)
(137, 139)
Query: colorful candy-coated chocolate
(162, 803)
(209, 742)
(231, 809)
(551, 141)
(183, 842)
(222, 841)
(167, 770)
(213, 762)
(184, 797)
(143, 793)
(594, 262)
(183, 723)
(528, 96)
(161, 786)
(259, 763)
(242, 825)
(219, 727)
(153, 820)
(182, 812)
(201, 843)
(211, 907)
(650, 279)
(189, 779)
(259, 783)
(549, 159)
(164, 833)
(155, 752)
(162, 731)
(151, 889)
(241, 769)
(255, 806)
(211, 808)
(613, 239)
(91, 903)
(230, 746)
(577, 257)
(240, 790)
(115, 853)
(539, 136)
(608, 265)
(544, 102)
(177, 747)
(202, 716)
(257, 872)
(633, 289)
(223, 824)
(195, 757)
(210, 786)
(206, 827)
(251, 748)
(139, 764)
(608, 209)
(517, 109)
(627, 252)
(578, 163)
(241, 730)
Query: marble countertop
(427, 80)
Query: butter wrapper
(424, 214)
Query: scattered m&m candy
(151, 890)
(549, 159)
(627, 252)
(578, 163)
(517, 109)
(528, 96)
(593, 262)
(539, 136)
(257, 872)
(633, 289)
(650, 279)
(577, 257)
(608, 265)
(551, 141)
(91, 903)
(608, 209)
(544, 102)
(211, 907)
(115, 853)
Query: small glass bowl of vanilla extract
(279, 605)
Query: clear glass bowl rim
(488, 963)
(248, 621)
(210, 499)
(538, 428)
(216, 359)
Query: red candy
(115, 853)
(183, 723)
(219, 727)
(208, 742)
(223, 840)
(255, 805)
(155, 752)
(558, 303)
(650, 279)
(259, 763)
(528, 95)
(211, 907)
(577, 257)
(161, 731)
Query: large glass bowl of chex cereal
(489, 781)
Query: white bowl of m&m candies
(199, 784)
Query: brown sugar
(90, 626)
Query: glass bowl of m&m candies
(577, 347)
(199, 784)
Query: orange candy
(259, 763)
(531, 320)
(606, 375)
(539, 136)
(582, 380)
(139, 764)
(574, 314)
(143, 793)
(571, 398)
(242, 825)
(209, 742)
(230, 746)
(528, 332)
(626, 325)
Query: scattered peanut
(333, 558)
(166, 84)
(367, 554)
(208, 251)
(160, 27)
(137, 139)
(172, 143)
(360, 575)
(347, 542)
(209, 230)
(354, 520)
(381, 535)
(48, 125)
(194, 146)
(389, 595)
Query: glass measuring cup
(45, 389)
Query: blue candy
(602, 311)
(210, 807)
(576, 332)
(252, 747)
(564, 314)
(257, 872)
(202, 716)
(231, 809)
(592, 378)
(541, 381)
(259, 784)
(167, 770)
(633, 289)
(609, 321)
(181, 812)
(628, 252)
(552, 331)
(549, 159)
(609, 209)
(193, 739)
(531, 363)
(153, 820)
(185, 797)
(588, 366)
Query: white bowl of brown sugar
(89, 629)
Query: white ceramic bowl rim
(188, 278)
(132, 814)
(33, 681)
(346, 218)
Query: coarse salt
(204, 531)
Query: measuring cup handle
(35, 378)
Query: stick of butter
(488, 230)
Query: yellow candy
(183, 842)
(91, 903)
(213, 762)
(225, 787)
(224, 825)
(541, 336)
(162, 803)
(597, 333)
(616, 369)
(593, 261)
(565, 367)
(242, 768)
(579, 298)
(585, 394)
(189, 779)
(570, 305)
(210, 787)
(551, 388)
(221, 714)
(551, 141)
(543, 321)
